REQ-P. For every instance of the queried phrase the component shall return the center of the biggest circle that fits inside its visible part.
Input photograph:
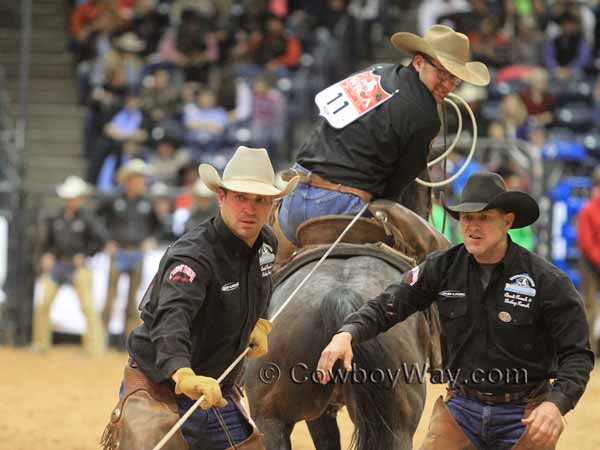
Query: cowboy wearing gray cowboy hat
(134, 226)
(71, 236)
(206, 304)
(373, 139)
(511, 322)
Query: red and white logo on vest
(344, 102)
(182, 273)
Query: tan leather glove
(258, 338)
(195, 386)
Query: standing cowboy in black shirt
(133, 226)
(510, 322)
(207, 303)
(71, 236)
(377, 127)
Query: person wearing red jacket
(588, 240)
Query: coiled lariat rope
(447, 181)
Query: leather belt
(507, 397)
(319, 182)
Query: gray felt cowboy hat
(133, 167)
(450, 48)
(486, 190)
(249, 170)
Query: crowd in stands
(178, 82)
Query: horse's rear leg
(324, 430)
(277, 433)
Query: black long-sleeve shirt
(208, 293)
(69, 236)
(528, 317)
(130, 220)
(384, 150)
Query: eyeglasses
(442, 73)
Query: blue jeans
(62, 273)
(128, 260)
(496, 427)
(203, 431)
(306, 202)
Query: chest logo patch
(266, 259)
(230, 286)
(452, 294)
(183, 273)
(504, 316)
(519, 291)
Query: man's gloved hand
(258, 338)
(195, 386)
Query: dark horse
(280, 386)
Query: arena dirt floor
(61, 401)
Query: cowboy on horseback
(501, 307)
(377, 127)
(207, 303)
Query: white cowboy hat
(133, 167)
(73, 187)
(450, 48)
(201, 190)
(130, 42)
(249, 170)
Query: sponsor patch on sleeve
(183, 273)
(412, 276)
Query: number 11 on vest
(344, 102)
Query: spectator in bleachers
(272, 48)
(91, 54)
(168, 160)
(88, 19)
(149, 23)
(267, 119)
(187, 177)
(489, 44)
(512, 120)
(130, 150)
(128, 124)
(126, 54)
(192, 46)
(588, 240)
(525, 47)
(71, 236)
(160, 95)
(567, 54)
(203, 206)
(205, 124)
(162, 204)
(133, 226)
(537, 98)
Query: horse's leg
(276, 433)
(324, 430)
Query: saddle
(392, 224)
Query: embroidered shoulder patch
(183, 273)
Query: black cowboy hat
(486, 190)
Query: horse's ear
(411, 230)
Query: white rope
(469, 157)
(456, 138)
(193, 408)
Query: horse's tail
(366, 393)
